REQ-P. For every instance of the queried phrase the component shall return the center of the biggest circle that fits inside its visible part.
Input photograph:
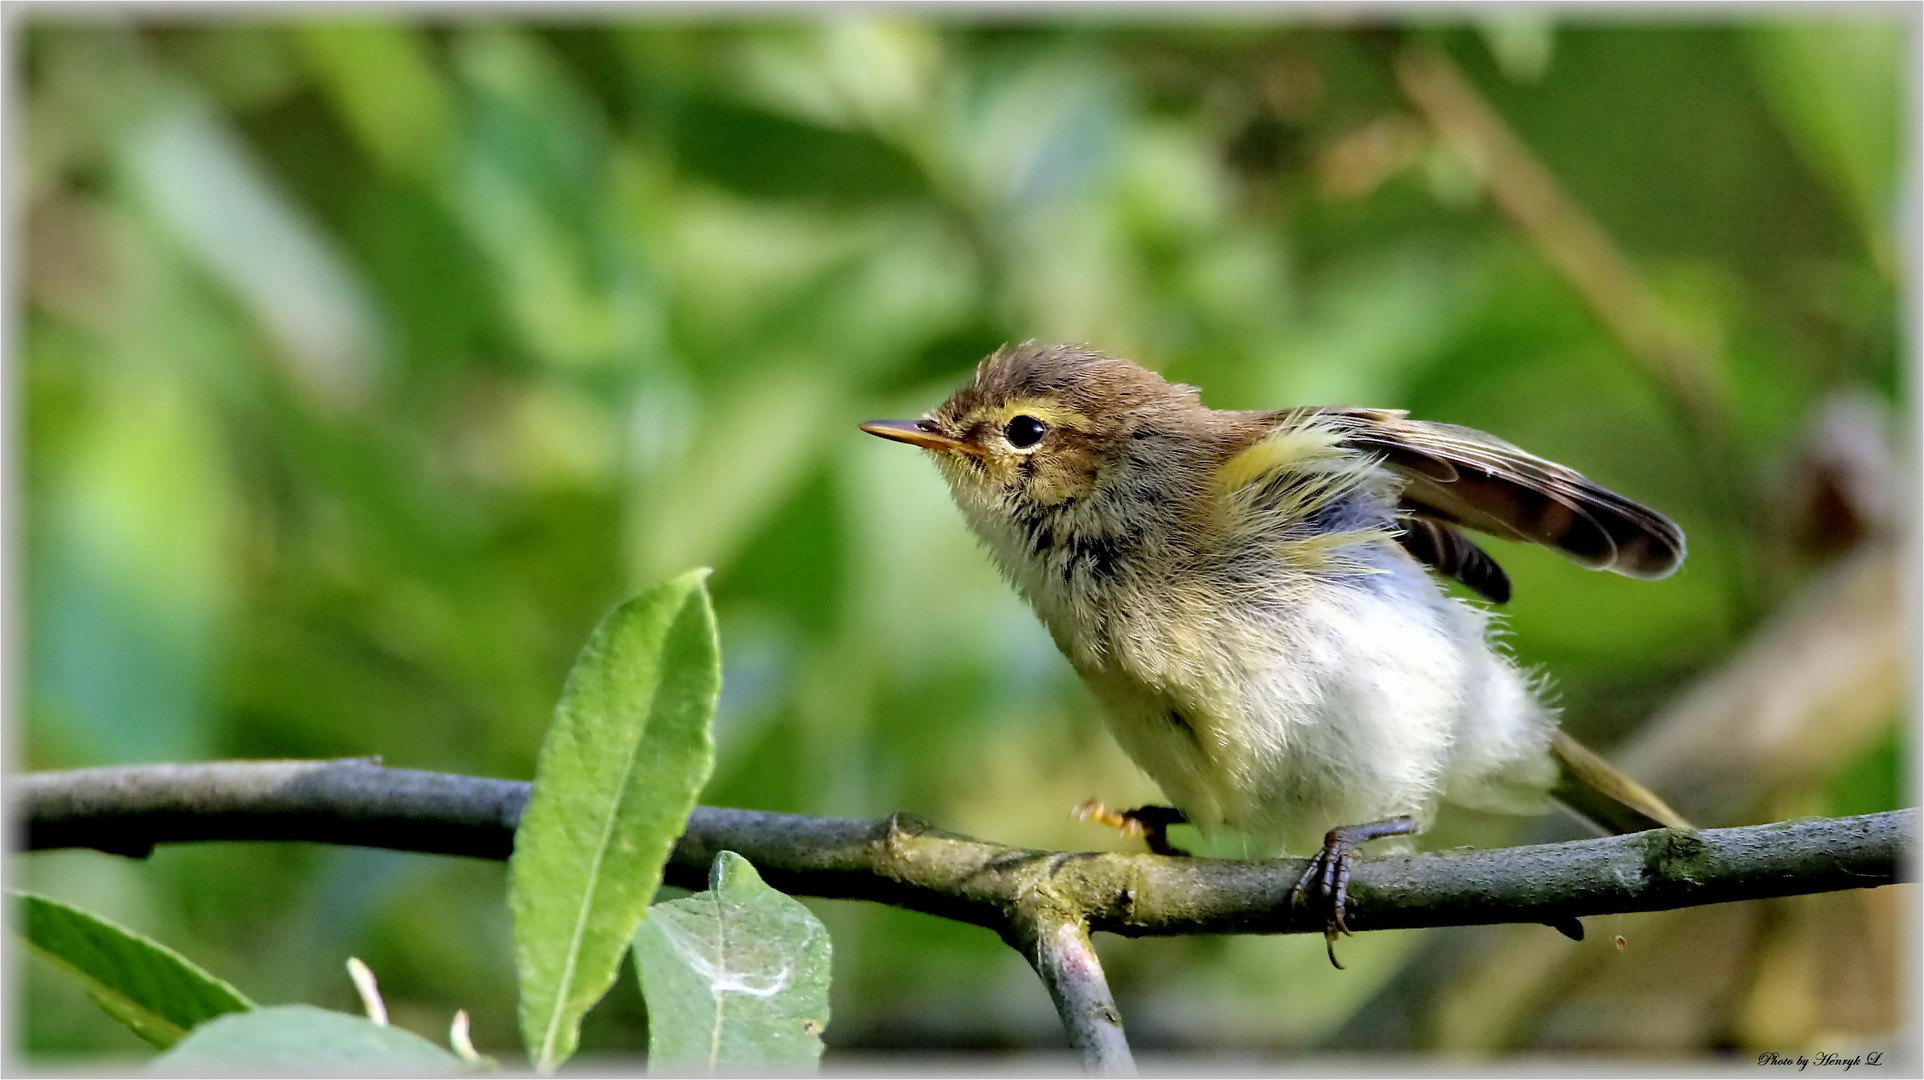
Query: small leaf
(618, 774)
(304, 1040)
(152, 989)
(736, 978)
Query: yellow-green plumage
(1268, 495)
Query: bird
(1258, 601)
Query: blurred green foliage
(366, 365)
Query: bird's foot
(1329, 872)
(1151, 823)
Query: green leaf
(618, 774)
(152, 989)
(735, 978)
(306, 1041)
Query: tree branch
(1044, 903)
(1057, 945)
(906, 863)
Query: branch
(1044, 903)
(905, 863)
(1057, 945)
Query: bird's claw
(1094, 810)
(1329, 870)
(1151, 823)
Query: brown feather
(1461, 476)
(1453, 555)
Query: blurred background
(364, 366)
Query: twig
(906, 863)
(351, 801)
(1058, 947)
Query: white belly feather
(1352, 704)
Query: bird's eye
(1024, 432)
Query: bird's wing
(1460, 476)
(1444, 549)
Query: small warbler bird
(1256, 599)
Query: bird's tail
(1594, 789)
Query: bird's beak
(922, 433)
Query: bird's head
(1041, 426)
